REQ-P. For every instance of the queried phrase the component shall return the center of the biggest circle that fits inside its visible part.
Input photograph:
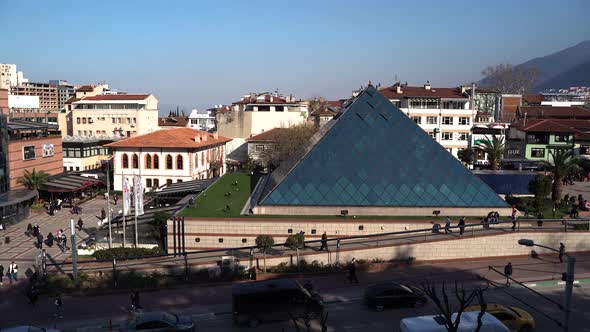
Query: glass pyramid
(375, 155)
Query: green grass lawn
(224, 198)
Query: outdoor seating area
(71, 188)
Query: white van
(468, 323)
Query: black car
(393, 294)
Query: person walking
(103, 214)
(58, 306)
(12, 272)
(29, 230)
(80, 224)
(561, 252)
(324, 242)
(135, 304)
(115, 198)
(513, 220)
(1, 274)
(50, 239)
(352, 272)
(508, 273)
(35, 230)
(461, 226)
(448, 226)
(40, 241)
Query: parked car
(27, 328)
(514, 318)
(158, 321)
(273, 300)
(468, 323)
(393, 294)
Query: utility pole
(109, 202)
(74, 251)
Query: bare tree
(287, 142)
(505, 78)
(444, 309)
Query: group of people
(11, 273)
(508, 267)
(53, 205)
(448, 226)
(59, 237)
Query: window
(290, 231)
(83, 120)
(135, 161)
(454, 105)
(464, 121)
(447, 120)
(79, 132)
(128, 120)
(125, 161)
(156, 183)
(203, 158)
(134, 120)
(244, 240)
(168, 181)
(148, 183)
(279, 108)
(259, 148)
(148, 162)
(113, 120)
(537, 153)
(220, 240)
(78, 120)
(537, 138)
(431, 120)
(423, 103)
(119, 120)
(156, 162)
(361, 228)
(168, 162)
(197, 239)
(179, 181)
(561, 138)
(462, 136)
(447, 136)
(77, 168)
(417, 119)
(179, 162)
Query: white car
(468, 323)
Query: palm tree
(494, 149)
(562, 162)
(33, 180)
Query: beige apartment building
(123, 115)
(48, 107)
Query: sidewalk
(216, 298)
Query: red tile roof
(117, 97)
(414, 91)
(71, 100)
(545, 125)
(267, 136)
(222, 109)
(545, 112)
(85, 88)
(171, 138)
(171, 121)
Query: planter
(38, 211)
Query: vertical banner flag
(126, 197)
(138, 195)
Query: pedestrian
(12, 272)
(64, 240)
(103, 214)
(508, 273)
(352, 272)
(448, 226)
(324, 242)
(115, 198)
(461, 226)
(58, 306)
(1, 274)
(80, 224)
(32, 294)
(35, 230)
(513, 220)
(135, 305)
(50, 239)
(40, 241)
(561, 252)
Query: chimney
(427, 86)
(472, 97)
(215, 135)
(463, 89)
(398, 88)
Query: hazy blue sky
(200, 53)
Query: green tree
(249, 165)
(540, 186)
(264, 243)
(494, 149)
(467, 156)
(560, 164)
(33, 180)
(505, 78)
(295, 242)
(287, 142)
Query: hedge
(121, 253)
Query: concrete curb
(555, 282)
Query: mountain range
(563, 69)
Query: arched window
(202, 158)
(179, 162)
(148, 161)
(156, 162)
(125, 161)
(135, 161)
(168, 162)
(196, 160)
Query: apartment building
(201, 121)
(64, 92)
(445, 114)
(169, 155)
(48, 105)
(122, 115)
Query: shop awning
(16, 196)
(69, 183)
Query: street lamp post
(109, 202)
(74, 251)
(569, 280)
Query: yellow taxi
(514, 318)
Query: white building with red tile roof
(169, 155)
